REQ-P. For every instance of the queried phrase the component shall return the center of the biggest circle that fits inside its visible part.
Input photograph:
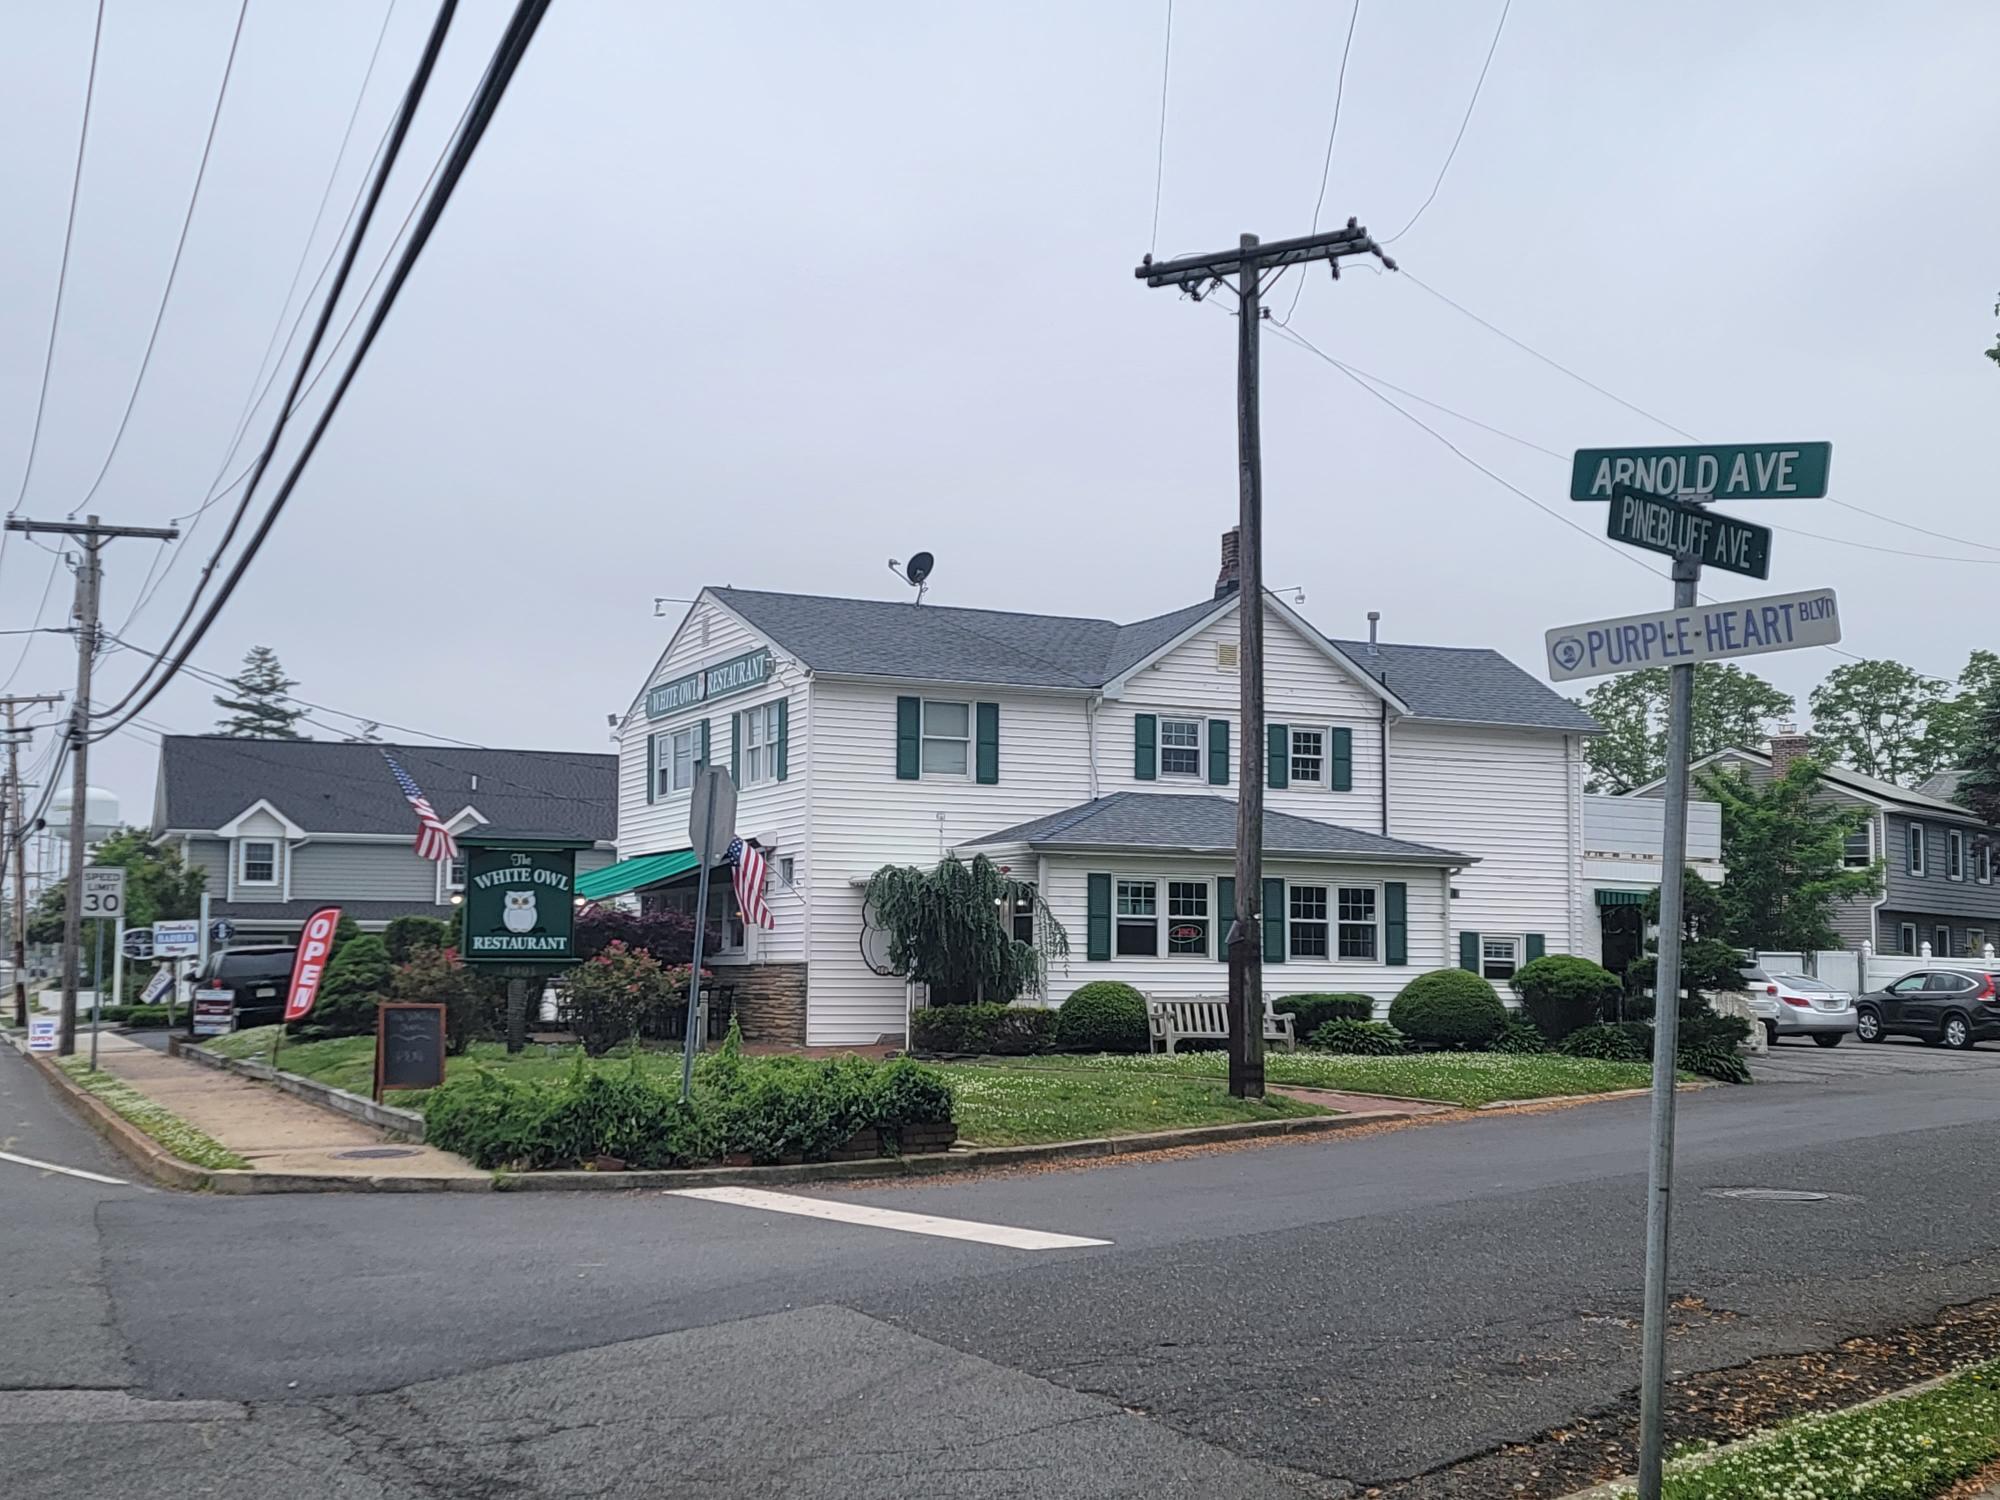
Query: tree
(1731, 707)
(1876, 717)
(1785, 849)
(257, 701)
(1979, 787)
(356, 979)
(947, 930)
(1952, 735)
(158, 887)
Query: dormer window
(257, 862)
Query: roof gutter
(1443, 858)
(887, 680)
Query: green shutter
(736, 748)
(1395, 922)
(701, 745)
(1098, 927)
(1536, 946)
(986, 749)
(1468, 951)
(652, 768)
(1218, 752)
(1278, 738)
(1225, 914)
(783, 751)
(1343, 760)
(909, 737)
(1145, 746)
(1274, 921)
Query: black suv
(1946, 1007)
(257, 976)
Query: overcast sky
(767, 294)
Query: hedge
(1003, 1030)
(1561, 992)
(1356, 1038)
(1451, 1008)
(1314, 1011)
(1103, 1016)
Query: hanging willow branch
(949, 929)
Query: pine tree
(1979, 787)
(256, 702)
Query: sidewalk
(272, 1131)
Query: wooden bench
(1207, 1019)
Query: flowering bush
(436, 976)
(610, 996)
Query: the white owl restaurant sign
(519, 910)
(1707, 632)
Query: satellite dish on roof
(915, 572)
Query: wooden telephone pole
(12, 811)
(1193, 273)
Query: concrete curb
(405, 1124)
(1679, 1088)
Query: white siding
(1185, 978)
(1505, 796)
(1302, 687)
(773, 813)
(1635, 825)
(864, 818)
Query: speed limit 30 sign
(103, 892)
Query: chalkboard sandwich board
(409, 1047)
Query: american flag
(749, 881)
(434, 840)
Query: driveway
(1802, 1061)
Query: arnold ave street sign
(1707, 632)
(1725, 471)
(1667, 526)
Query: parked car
(1799, 1005)
(1946, 1007)
(257, 975)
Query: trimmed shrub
(138, 1017)
(1625, 1041)
(608, 998)
(1004, 1030)
(406, 937)
(1561, 992)
(1356, 1038)
(1103, 1016)
(1521, 1036)
(1451, 1008)
(1311, 1012)
(356, 979)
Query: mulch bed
(1718, 1406)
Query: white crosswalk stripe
(889, 1218)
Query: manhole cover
(1779, 1195)
(375, 1153)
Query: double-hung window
(757, 750)
(1954, 854)
(454, 875)
(1187, 918)
(947, 738)
(1941, 942)
(258, 863)
(1906, 934)
(1308, 757)
(1308, 921)
(1023, 914)
(1916, 847)
(1857, 850)
(1984, 863)
(1138, 919)
(1180, 747)
(683, 747)
(1358, 913)
(1499, 957)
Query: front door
(1624, 934)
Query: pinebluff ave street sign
(1662, 525)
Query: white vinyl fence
(1853, 969)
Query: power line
(28, 644)
(1451, 155)
(500, 71)
(1160, 153)
(174, 267)
(1332, 134)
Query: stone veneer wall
(770, 1000)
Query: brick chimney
(1788, 745)
(1229, 578)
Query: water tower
(100, 813)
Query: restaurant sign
(737, 675)
(520, 904)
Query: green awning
(630, 874)
(1604, 897)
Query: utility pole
(89, 576)
(1194, 274)
(17, 842)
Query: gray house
(1938, 886)
(283, 827)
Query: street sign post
(1707, 471)
(711, 826)
(1704, 632)
(1642, 520)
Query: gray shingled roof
(1467, 683)
(937, 643)
(328, 786)
(1164, 820)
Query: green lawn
(1908, 1449)
(997, 1106)
(164, 1126)
(1465, 1078)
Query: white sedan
(1799, 1005)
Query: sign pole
(97, 994)
(118, 959)
(1666, 1041)
(700, 932)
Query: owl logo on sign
(519, 912)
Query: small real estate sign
(520, 904)
(214, 1012)
(44, 1032)
(1683, 637)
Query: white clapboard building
(1425, 805)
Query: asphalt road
(1304, 1318)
